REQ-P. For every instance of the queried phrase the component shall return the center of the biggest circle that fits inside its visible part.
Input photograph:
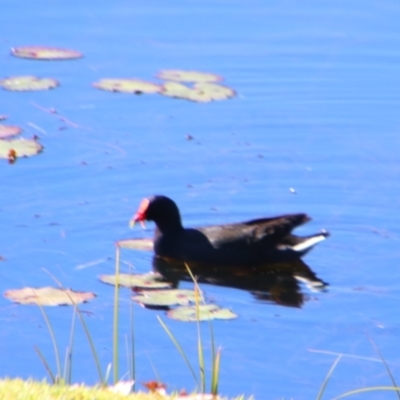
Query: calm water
(317, 110)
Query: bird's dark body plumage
(254, 242)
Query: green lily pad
(206, 312)
(136, 244)
(127, 86)
(28, 83)
(48, 296)
(9, 130)
(139, 281)
(45, 53)
(19, 148)
(188, 76)
(165, 297)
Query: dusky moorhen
(256, 242)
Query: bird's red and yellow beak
(140, 215)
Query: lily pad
(48, 296)
(28, 83)
(214, 92)
(19, 147)
(136, 244)
(206, 312)
(45, 53)
(179, 90)
(165, 297)
(9, 130)
(201, 92)
(188, 76)
(127, 86)
(138, 281)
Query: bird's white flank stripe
(308, 243)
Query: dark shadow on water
(274, 282)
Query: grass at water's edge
(18, 389)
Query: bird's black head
(160, 209)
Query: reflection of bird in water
(276, 282)
(251, 243)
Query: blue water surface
(317, 110)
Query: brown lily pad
(45, 53)
(136, 244)
(48, 296)
(28, 83)
(166, 297)
(19, 148)
(188, 76)
(9, 130)
(205, 312)
(138, 281)
(135, 86)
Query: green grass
(395, 389)
(17, 389)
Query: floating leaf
(202, 92)
(127, 86)
(140, 281)
(21, 147)
(188, 76)
(48, 296)
(206, 312)
(28, 83)
(9, 130)
(45, 53)
(214, 92)
(174, 89)
(165, 297)
(136, 244)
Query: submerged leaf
(188, 76)
(28, 83)
(19, 147)
(136, 244)
(165, 297)
(136, 86)
(45, 53)
(206, 312)
(48, 296)
(9, 130)
(139, 281)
